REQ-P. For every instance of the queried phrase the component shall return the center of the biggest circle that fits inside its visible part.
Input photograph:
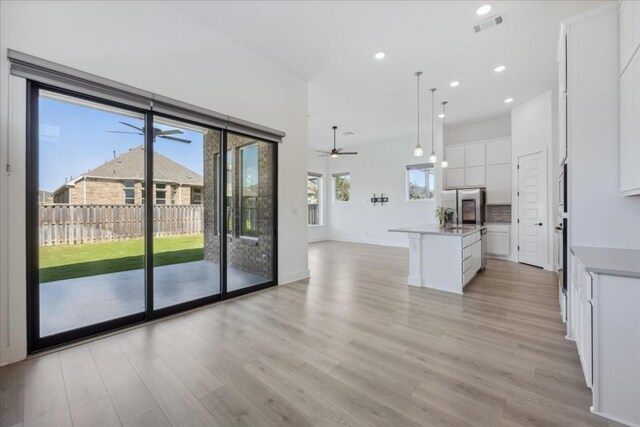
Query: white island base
(443, 258)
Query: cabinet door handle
(540, 224)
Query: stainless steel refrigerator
(467, 205)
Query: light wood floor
(354, 345)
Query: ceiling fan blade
(321, 151)
(325, 155)
(186, 141)
(132, 126)
(170, 132)
(122, 131)
(346, 152)
(339, 149)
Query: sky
(74, 139)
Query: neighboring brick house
(121, 181)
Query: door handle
(540, 224)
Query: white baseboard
(13, 354)
(294, 277)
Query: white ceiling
(331, 44)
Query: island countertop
(465, 230)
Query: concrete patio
(74, 303)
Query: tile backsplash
(499, 213)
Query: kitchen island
(444, 258)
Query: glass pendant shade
(417, 151)
(444, 163)
(433, 158)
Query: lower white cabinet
(604, 321)
(472, 256)
(498, 239)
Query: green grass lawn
(91, 259)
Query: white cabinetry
(498, 152)
(454, 177)
(630, 122)
(455, 157)
(498, 239)
(478, 164)
(474, 177)
(499, 184)
(605, 324)
(474, 155)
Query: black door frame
(34, 341)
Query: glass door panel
(186, 254)
(250, 212)
(90, 213)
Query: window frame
(335, 187)
(241, 188)
(320, 203)
(199, 191)
(428, 169)
(129, 188)
(163, 190)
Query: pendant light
(444, 130)
(417, 152)
(432, 158)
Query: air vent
(488, 23)
(348, 133)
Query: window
(314, 188)
(129, 192)
(142, 192)
(420, 182)
(161, 194)
(342, 187)
(249, 191)
(229, 192)
(196, 196)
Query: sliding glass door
(133, 215)
(186, 261)
(250, 207)
(90, 230)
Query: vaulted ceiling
(332, 45)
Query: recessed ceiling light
(454, 83)
(500, 68)
(484, 9)
(508, 100)
(380, 55)
(441, 116)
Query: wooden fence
(63, 224)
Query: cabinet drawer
(467, 276)
(468, 264)
(466, 253)
(470, 239)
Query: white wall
(378, 168)
(532, 130)
(498, 127)
(186, 61)
(317, 164)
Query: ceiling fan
(157, 133)
(336, 151)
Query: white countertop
(437, 229)
(616, 262)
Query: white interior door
(532, 209)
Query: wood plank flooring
(353, 345)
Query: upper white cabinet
(454, 177)
(630, 98)
(474, 155)
(474, 177)
(498, 152)
(498, 183)
(455, 156)
(629, 31)
(478, 164)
